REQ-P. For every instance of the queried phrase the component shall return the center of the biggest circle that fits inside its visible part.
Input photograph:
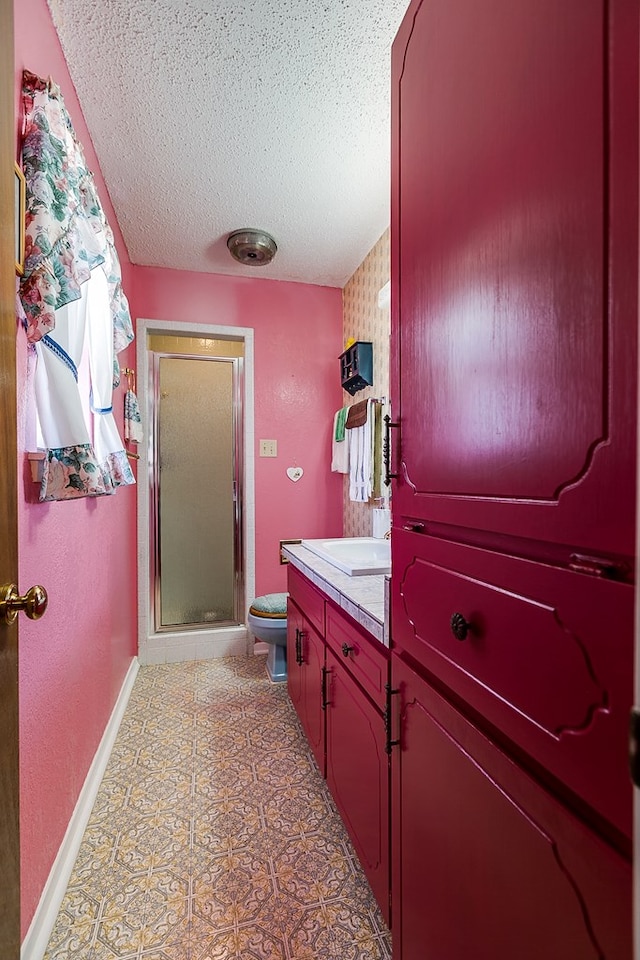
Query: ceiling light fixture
(253, 248)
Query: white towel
(339, 450)
(361, 459)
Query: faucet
(387, 535)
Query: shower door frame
(155, 572)
(194, 642)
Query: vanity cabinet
(514, 353)
(337, 679)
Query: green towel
(341, 419)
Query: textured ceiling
(213, 115)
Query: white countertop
(361, 597)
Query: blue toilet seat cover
(271, 605)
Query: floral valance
(66, 231)
(75, 312)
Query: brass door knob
(34, 602)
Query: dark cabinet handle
(299, 660)
(389, 743)
(386, 450)
(346, 649)
(417, 527)
(459, 626)
(634, 746)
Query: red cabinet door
(312, 654)
(358, 774)
(514, 217)
(305, 667)
(487, 864)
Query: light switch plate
(268, 448)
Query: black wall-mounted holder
(356, 366)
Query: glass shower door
(197, 531)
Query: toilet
(267, 621)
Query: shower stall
(196, 478)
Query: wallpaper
(365, 320)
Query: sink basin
(357, 556)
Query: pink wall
(298, 337)
(73, 661)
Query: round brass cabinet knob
(34, 602)
(459, 626)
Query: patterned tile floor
(213, 836)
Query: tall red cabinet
(514, 319)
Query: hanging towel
(338, 424)
(339, 447)
(361, 456)
(376, 444)
(357, 415)
(358, 465)
(132, 418)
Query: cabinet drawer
(309, 599)
(547, 656)
(363, 656)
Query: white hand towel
(361, 460)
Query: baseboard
(35, 942)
